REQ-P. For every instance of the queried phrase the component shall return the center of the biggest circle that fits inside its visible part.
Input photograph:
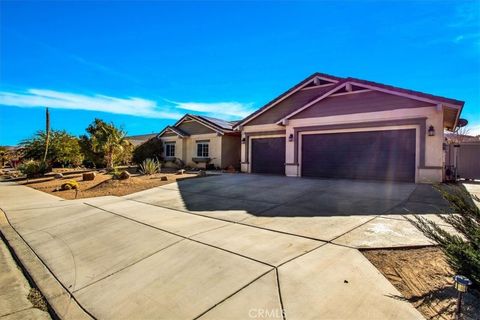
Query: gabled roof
(407, 91)
(175, 130)
(218, 125)
(340, 83)
(139, 139)
(288, 93)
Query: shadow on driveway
(279, 196)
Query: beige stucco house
(332, 127)
(201, 142)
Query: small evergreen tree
(462, 252)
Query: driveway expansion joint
(27, 263)
(233, 222)
(185, 237)
(231, 295)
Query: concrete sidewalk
(123, 259)
(14, 302)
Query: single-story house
(201, 142)
(332, 127)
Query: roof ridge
(410, 91)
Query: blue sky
(143, 64)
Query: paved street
(233, 246)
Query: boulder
(163, 178)
(231, 169)
(124, 175)
(89, 176)
(201, 173)
(58, 176)
(181, 171)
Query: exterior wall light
(290, 137)
(243, 140)
(461, 284)
(431, 131)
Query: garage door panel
(268, 155)
(377, 155)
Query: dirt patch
(37, 299)
(104, 185)
(424, 278)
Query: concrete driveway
(225, 247)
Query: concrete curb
(59, 299)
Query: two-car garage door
(374, 155)
(370, 155)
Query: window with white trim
(202, 149)
(170, 149)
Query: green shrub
(463, 254)
(115, 173)
(151, 148)
(64, 149)
(69, 185)
(150, 166)
(33, 168)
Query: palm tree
(109, 140)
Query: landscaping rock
(164, 178)
(58, 176)
(89, 176)
(181, 171)
(124, 175)
(201, 173)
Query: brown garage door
(268, 155)
(375, 155)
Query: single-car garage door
(268, 155)
(376, 155)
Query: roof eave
(285, 95)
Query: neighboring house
(200, 142)
(139, 139)
(331, 127)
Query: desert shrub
(114, 172)
(64, 149)
(69, 185)
(33, 168)
(462, 254)
(151, 148)
(150, 166)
